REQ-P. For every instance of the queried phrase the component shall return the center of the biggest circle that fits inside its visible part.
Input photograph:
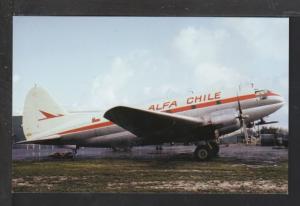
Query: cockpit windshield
(262, 94)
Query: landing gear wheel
(202, 152)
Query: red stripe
(49, 116)
(88, 127)
(272, 94)
(175, 110)
(212, 103)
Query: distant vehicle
(274, 140)
(267, 140)
(285, 141)
(200, 118)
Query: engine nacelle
(225, 120)
(229, 128)
(224, 117)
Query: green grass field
(123, 175)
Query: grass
(135, 175)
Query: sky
(94, 63)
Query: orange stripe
(49, 116)
(175, 110)
(88, 127)
(181, 109)
(212, 103)
(272, 94)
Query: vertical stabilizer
(41, 113)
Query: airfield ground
(238, 169)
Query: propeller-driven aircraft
(200, 118)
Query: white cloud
(133, 79)
(216, 76)
(196, 59)
(107, 87)
(201, 51)
(266, 37)
(199, 45)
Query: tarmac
(240, 152)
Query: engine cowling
(229, 128)
(226, 121)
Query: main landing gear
(206, 150)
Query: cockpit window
(262, 94)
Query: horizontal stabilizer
(263, 122)
(46, 140)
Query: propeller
(242, 119)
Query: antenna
(191, 91)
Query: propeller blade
(242, 120)
(239, 105)
(263, 123)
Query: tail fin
(41, 113)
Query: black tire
(202, 153)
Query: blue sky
(94, 63)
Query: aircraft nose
(279, 100)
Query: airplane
(199, 118)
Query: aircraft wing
(144, 123)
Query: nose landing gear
(206, 150)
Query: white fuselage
(92, 130)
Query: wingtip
(108, 113)
(21, 142)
